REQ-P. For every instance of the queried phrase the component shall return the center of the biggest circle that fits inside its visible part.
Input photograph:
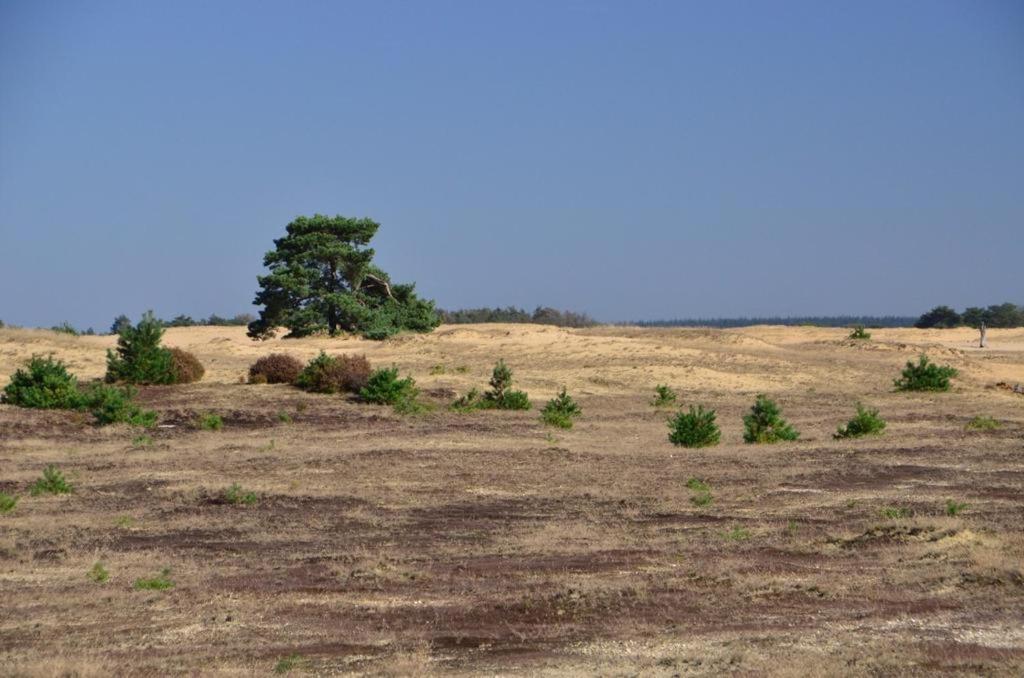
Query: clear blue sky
(633, 160)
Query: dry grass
(478, 543)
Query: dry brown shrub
(335, 374)
(276, 368)
(185, 367)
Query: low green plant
(98, 573)
(859, 333)
(125, 522)
(664, 396)
(284, 417)
(437, 369)
(925, 376)
(161, 582)
(738, 534)
(52, 482)
(695, 428)
(7, 502)
(113, 405)
(66, 328)
(385, 388)
(981, 423)
(865, 422)
(701, 492)
(955, 508)
(468, 402)
(211, 422)
(895, 513)
(502, 396)
(142, 441)
(765, 424)
(237, 495)
(43, 383)
(560, 410)
(289, 663)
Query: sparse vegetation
(142, 441)
(701, 492)
(694, 428)
(982, 423)
(211, 422)
(276, 368)
(237, 495)
(113, 405)
(664, 396)
(955, 508)
(865, 422)
(44, 383)
(284, 417)
(161, 582)
(98, 573)
(470, 401)
(738, 533)
(859, 333)
(895, 513)
(560, 410)
(335, 374)
(52, 482)
(765, 424)
(7, 502)
(289, 663)
(501, 395)
(925, 376)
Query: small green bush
(981, 423)
(44, 383)
(112, 405)
(560, 410)
(334, 374)
(865, 422)
(765, 425)
(66, 328)
(276, 368)
(859, 333)
(701, 492)
(696, 428)
(98, 573)
(955, 508)
(236, 495)
(925, 376)
(470, 401)
(7, 502)
(211, 422)
(385, 388)
(162, 582)
(52, 482)
(664, 396)
(185, 367)
(895, 513)
(502, 396)
(140, 359)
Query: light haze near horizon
(632, 160)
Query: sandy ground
(449, 543)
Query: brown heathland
(486, 543)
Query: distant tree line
(870, 321)
(122, 321)
(997, 315)
(542, 315)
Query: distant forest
(542, 315)
(870, 321)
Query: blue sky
(634, 160)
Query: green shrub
(502, 396)
(185, 367)
(140, 359)
(696, 428)
(162, 582)
(211, 422)
(335, 374)
(955, 508)
(560, 410)
(276, 368)
(701, 492)
(112, 405)
(7, 502)
(865, 422)
(468, 402)
(52, 482)
(98, 573)
(925, 376)
(664, 396)
(859, 333)
(66, 328)
(385, 388)
(44, 383)
(236, 495)
(895, 513)
(765, 425)
(981, 423)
